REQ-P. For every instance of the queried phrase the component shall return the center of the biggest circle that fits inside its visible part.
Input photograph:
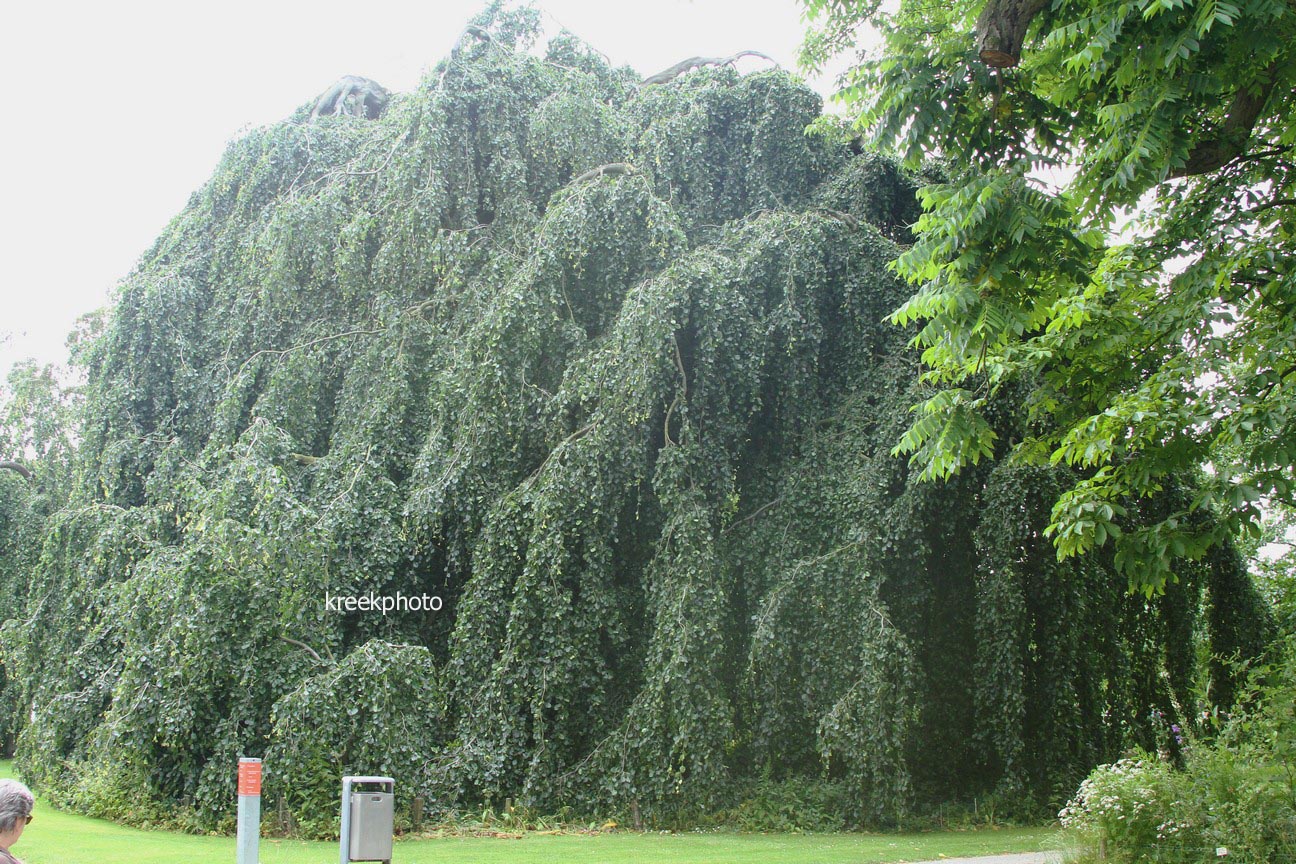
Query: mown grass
(55, 837)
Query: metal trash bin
(368, 817)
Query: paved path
(1016, 858)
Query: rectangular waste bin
(368, 817)
(372, 820)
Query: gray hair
(16, 803)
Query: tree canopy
(1117, 235)
(604, 366)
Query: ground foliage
(635, 432)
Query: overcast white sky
(117, 111)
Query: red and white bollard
(249, 811)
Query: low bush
(374, 713)
(793, 805)
(1233, 800)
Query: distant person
(16, 804)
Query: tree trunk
(1001, 30)
(1234, 133)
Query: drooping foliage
(632, 429)
(36, 428)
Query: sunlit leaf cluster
(1117, 232)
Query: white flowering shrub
(1233, 801)
(1137, 810)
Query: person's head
(16, 803)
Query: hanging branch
(302, 645)
(575, 436)
(667, 75)
(18, 469)
(680, 395)
(279, 352)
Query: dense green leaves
(632, 428)
(1142, 289)
(383, 707)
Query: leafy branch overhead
(1116, 234)
(631, 426)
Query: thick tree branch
(667, 75)
(351, 94)
(1277, 202)
(1230, 143)
(302, 645)
(470, 30)
(754, 514)
(1001, 30)
(850, 221)
(614, 169)
(18, 468)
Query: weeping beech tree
(632, 426)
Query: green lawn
(55, 837)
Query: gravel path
(1016, 858)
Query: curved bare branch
(18, 468)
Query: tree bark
(1001, 30)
